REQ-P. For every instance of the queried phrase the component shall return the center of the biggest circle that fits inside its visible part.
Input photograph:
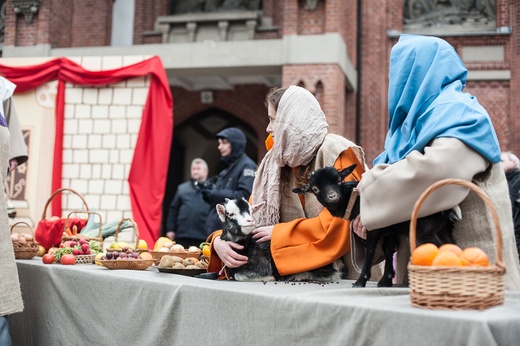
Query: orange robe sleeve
(306, 244)
(215, 264)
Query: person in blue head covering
(436, 131)
(426, 101)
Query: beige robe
(17, 146)
(408, 178)
(10, 294)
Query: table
(91, 305)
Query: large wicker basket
(25, 250)
(454, 288)
(49, 232)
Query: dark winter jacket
(188, 212)
(235, 180)
(513, 181)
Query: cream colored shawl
(299, 129)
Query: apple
(48, 259)
(68, 259)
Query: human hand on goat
(227, 254)
(263, 233)
(358, 228)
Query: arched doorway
(196, 138)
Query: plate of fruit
(183, 266)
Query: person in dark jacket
(235, 180)
(511, 165)
(188, 210)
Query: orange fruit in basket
(452, 248)
(446, 259)
(474, 256)
(424, 254)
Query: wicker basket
(49, 232)
(85, 259)
(25, 250)
(77, 237)
(454, 288)
(136, 264)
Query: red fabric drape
(148, 172)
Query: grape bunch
(126, 253)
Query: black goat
(334, 194)
(237, 225)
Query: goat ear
(302, 189)
(347, 171)
(221, 211)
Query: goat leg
(370, 247)
(390, 245)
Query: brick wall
(62, 24)
(60, 27)
(144, 19)
(375, 47)
(311, 22)
(494, 96)
(342, 17)
(90, 14)
(100, 131)
(513, 113)
(327, 83)
(19, 33)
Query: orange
(424, 254)
(473, 256)
(446, 259)
(452, 248)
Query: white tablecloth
(92, 305)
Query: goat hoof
(384, 283)
(358, 284)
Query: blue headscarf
(426, 101)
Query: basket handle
(22, 222)
(57, 192)
(474, 188)
(86, 212)
(136, 230)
